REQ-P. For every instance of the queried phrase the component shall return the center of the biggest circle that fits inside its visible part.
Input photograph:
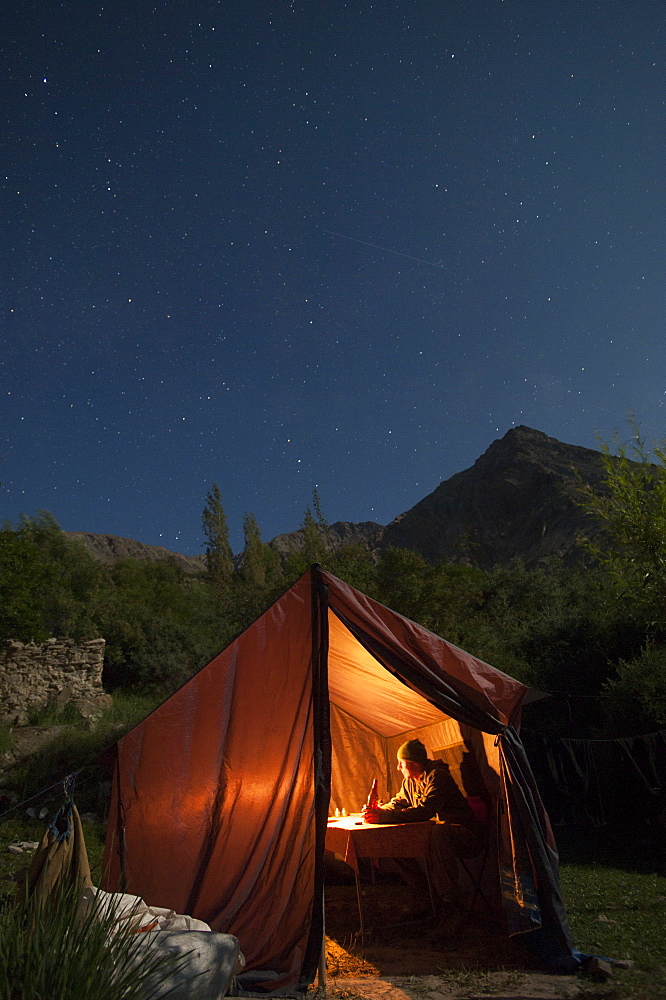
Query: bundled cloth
(208, 961)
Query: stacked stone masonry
(59, 671)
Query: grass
(26, 830)
(5, 738)
(63, 747)
(615, 900)
(41, 957)
(615, 893)
(128, 708)
(47, 951)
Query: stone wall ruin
(58, 671)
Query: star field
(281, 244)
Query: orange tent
(221, 795)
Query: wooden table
(351, 838)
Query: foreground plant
(47, 951)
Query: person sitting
(428, 792)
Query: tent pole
(321, 968)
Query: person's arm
(399, 801)
(385, 812)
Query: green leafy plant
(630, 505)
(47, 950)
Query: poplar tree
(219, 557)
(254, 560)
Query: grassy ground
(35, 758)
(615, 892)
(25, 830)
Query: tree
(50, 585)
(219, 557)
(254, 564)
(401, 582)
(23, 580)
(638, 691)
(314, 546)
(260, 566)
(322, 523)
(354, 564)
(161, 626)
(631, 506)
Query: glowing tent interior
(221, 796)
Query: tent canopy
(220, 796)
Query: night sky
(280, 245)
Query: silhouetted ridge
(517, 500)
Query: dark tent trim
(322, 741)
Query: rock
(599, 969)
(92, 708)
(517, 500)
(55, 672)
(19, 846)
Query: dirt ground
(397, 961)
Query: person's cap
(413, 750)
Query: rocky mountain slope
(110, 548)
(517, 500)
(366, 533)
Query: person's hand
(371, 814)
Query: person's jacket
(436, 797)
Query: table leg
(360, 906)
(430, 892)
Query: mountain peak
(519, 499)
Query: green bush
(46, 951)
(639, 690)
(50, 585)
